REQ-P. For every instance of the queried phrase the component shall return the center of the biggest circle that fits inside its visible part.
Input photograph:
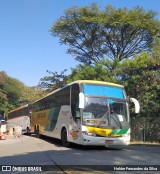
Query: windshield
(106, 112)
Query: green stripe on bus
(115, 131)
(119, 131)
(123, 131)
(52, 119)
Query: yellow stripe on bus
(99, 131)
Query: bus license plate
(107, 142)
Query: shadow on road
(57, 142)
(49, 153)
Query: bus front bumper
(105, 141)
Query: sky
(27, 49)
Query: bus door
(75, 119)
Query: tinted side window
(57, 99)
(75, 100)
(63, 96)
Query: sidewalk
(11, 139)
(145, 143)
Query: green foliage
(3, 103)
(79, 29)
(85, 72)
(14, 93)
(80, 72)
(141, 77)
(7, 92)
(54, 81)
(115, 45)
(113, 34)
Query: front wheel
(64, 140)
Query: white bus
(85, 112)
(20, 117)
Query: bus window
(75, 101)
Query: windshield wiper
(116, 120)
(105, 116)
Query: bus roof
(97, 82)
(16, 109)
(81, 82)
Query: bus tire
(37, 132)
(28, 131)
(64, 140)
(35, 128)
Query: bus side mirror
(136, 104)
(81, 100)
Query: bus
(85, 112)
(20, 117)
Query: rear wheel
(64, 139)
(37, 132)
(28, 131)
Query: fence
(146, 129)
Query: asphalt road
(31, 151)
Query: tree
(113, 34)
(86, 72)
(54, 81)
(82, 35)
(8, 92)
(14, 93)
(81, 72)
(141, 78)
(114, 39)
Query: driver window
(75, 101)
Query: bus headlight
(88, 133)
